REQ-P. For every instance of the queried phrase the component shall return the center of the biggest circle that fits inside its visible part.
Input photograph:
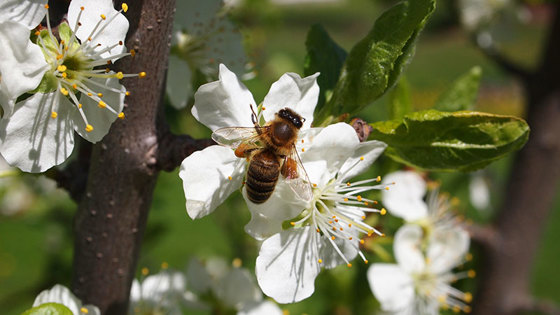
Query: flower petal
(223, 103)
(259, 308)
(407, 248)
(447, 248)
(331, 258)
(330, 148)
(29, 13)
(163, 285)
(404, 199)
(110, 31)
(179, 85)
(238, 288)
(100, 118)
(392, 286)
(31, 139)
(299, 94)
(59, 294)
(365, 154)
(287, 265)
(206, 179)
(226, 46)
(193, 15)
(200, 280)
(22, 63)
(261, 227)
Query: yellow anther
(237, 262)
(359, 198)
(293, 223)
(471, 273)
(89, 128)
(456, 309)
(127, 93)
(103, 17)
(107, 70)
(341, 229)
(84, 310)
(349, 265)
(82, 8)
(335, 220)
(314, 185)
(370, 232)
(349, 224)
(102, 104)
(334, 216)
(378, 179)
(124, 7)
(229, 178)
(441, 299)
(468, 297)
(263, 108)
(64, 75)
(345, 199)
(334, 228)
(64, 91)
(366, 261)
(89, 38)
(145, 271)
(75, 86)
(119, 75)
(37, 33)
(331, 222)
(362, 242)
(89, 94)
(54, 114)
(302, 141)
(62, 42)
(302, 149)
(121, 115)
(142, 74)
(467, 309)
(361, 158)
(387, 188)
(320, 261)
(348, 184)
(363, 217)
(132, 52)
(333, 238)
(468, 257)
(318, 230)
(164, 265)
(366, 203)
(382, 235)
(100, 94)
(350, 238)
(61, 68)
(79, 105)
(46, 6)
(383, 211)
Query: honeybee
(271, 151)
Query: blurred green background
(36, 240)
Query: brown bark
(509, 255)
(112, 215)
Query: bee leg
(289, 168)
(244, 150)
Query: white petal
(331, 258)
(479, 192)
(26, 12)
(287, 265)
(261, 227)
(447, 248)
(238, 288)
(225, 45)
(282, 205)
(407, 248)
(179, 85)
(200, 280)
(292, 91)
(365, 154)
(330, 148)
(195, 15)
(31, 139)
(404, 199)
(392, 286)
(206, 180)
(100, 118)
(163, 285)
(59, 294)
(224, 103)
(22, 64)
(110, 32)
(135, 292)
(260, 308)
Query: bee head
(292, 117)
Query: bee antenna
(254, 115)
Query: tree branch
(540, 307)
(174, 148)
(483, 234)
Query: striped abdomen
(262, 176)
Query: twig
(174, 148)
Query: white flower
(204, 37)
(66, 89)
(62, 295)
(28, 13)
(477, 13)
(420, 282)
(479, 192)
(324, 232)
(161, 293)
(211, 175)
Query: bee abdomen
(262, 176)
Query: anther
(383, 211)
(345, 199)
(366, 261)
(164, 265)
(132, 52)
(318, 231)
(333, 238)
(53, 115)
(61, 68)
(120, 42)
(102, 104)
(359, 198)
(82, 8)
(64, 75)
(103, 17)
(349, 265)
(142, 74)
(127, 93)
(145, 271)
(89, 128)
(320, 261)
(302, 149)
(121, 115)
(79, 105)
(75, 86)
(124, 7)
(361, 158)
(468, 297)
(348, 184)
(471, 273)
(84, 310)
(378, 179)
(64, 91)
(119, 75)
(229, 177)
(100, 94)
(37, 33)
(362, 242)
(46, 6)
(293, 223)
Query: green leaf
(48, 309)
(462, 93)
(444, 141)
(399, 100)
(324, 56)
(375, 62)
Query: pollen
(363, 217)
(145, 271)
(383, 211)
(102, 104)
(348, 184)
(387, 188)
(119, 75)
(349, 265)
(124, 7)
(64, 91)
(302, 149)
(361, 158)
(82, 8)
(318, 230)
(320, 261)
(229, 177)
(89, 128)
(293, 223)
(127, 93)
(103, 17)
(366, 203)
(359, 198)
(164, 265)
(263, 108)
(58, 57)
(100, 94)
(37, 33)
(46, 6)
(64, 75)
(378, 179)
(75, 86)
(471, 273)
(345, 199)
(362, 242)
(79, 105)
(53, 115)
(333, 237)
(468, 297)
(302, 141)
(370, 232)
(61, 68)
(142, 74)
(468, 257)
(121, 115)
(84, 310)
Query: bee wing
(234, 136)
(296, 176)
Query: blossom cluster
(57, 81)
